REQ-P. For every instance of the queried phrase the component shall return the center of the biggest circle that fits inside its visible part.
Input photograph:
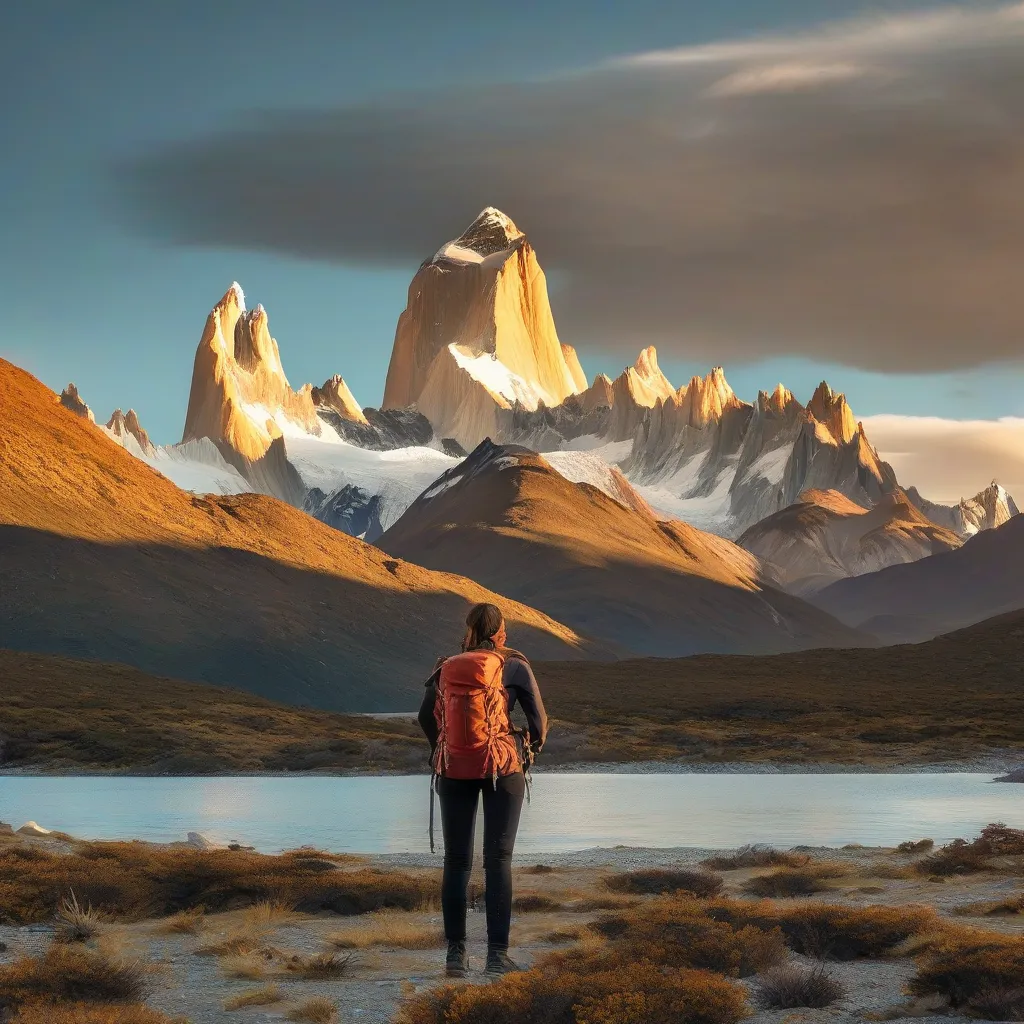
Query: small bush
(958, 858)
(657, 881)
(248, 966)
(534, 903)
(756, 857)
(264, 996)
(1000, 1002)
(791, 882)
(971, 967)
(319, 1010)
(75, 923)
(629, 994)
(319, 966)
(824, 930)
(91, 1013)
(792, 985)
(920, 846)
(997, 908)
(67, 973)
(539, 869)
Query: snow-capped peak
(239, 294)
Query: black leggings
(502, 807)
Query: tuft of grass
(319, 1010)
(92, 1013)
(71, 973)
(247, 966)
(805, 881)
(264, 996)
(319, 966)
(539, 869)
(534, 903)
(269, 914)
(390, 929)
(918, 846)
(75, 923)
(756, 856)
(996, 908)
(560, 935)
(239, 942)
(185, 922)
(657, 881)
(789, 986)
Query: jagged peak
(73, 402)
(777, 401)
(234, 296)
(601, 379)
(491, 231)
(831, 409)
(647, 369)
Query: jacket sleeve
(426, 716)
(523, 689)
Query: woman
(475, 750)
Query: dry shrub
(804, 881)
(238, 942)
(91, 1013)
(66, 973)
(756, 857)
(624, 994)
(828, 930)
(247, 966)
(970, 969)
(388, 929)
(589, 904)
(534, 903)
(269, 914)
(793, 985)
(75, 923)
(264, 996)
(996, 908)
(185, 922)
(319, 966)
(539, 869)
(560, 935)
(918, 846)
(657, 881)
(132, 881)
(318, 1010)
(677, 933)
(961, 857)
(1000, 1002)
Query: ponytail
(482, 622)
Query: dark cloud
(855, 195)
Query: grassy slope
(949, 699)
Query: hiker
(475, 750)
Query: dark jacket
(521, 687)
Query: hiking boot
(456, 964)
(499, 962)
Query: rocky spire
(830, 409)
(124, 426)
(72, 401)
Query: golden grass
(655, 881)
(75, 923)
(184, 922)
(318, 1010)
(805, 881)
(389, 929)
(247, 966)
(754, 856)
(92, 1013)
(133, 881)
(264, 996)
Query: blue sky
(87, 296)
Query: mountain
(129, 432)
(104, 558)
(477, 336)
(985, 511)
(505, 517)
(73, 402)
(937, 594)
(824, 536)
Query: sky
(795, 190)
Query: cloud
(951, 459)
(850, 195)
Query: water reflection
(569, 812)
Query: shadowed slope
(937, 594)
(102, 557)
(825, 536)
(504, 516)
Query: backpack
(475, 738)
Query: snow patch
(494, 375)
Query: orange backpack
(474, 734)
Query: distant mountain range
(643, 517)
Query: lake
(568, 812)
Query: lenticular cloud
(851, 195)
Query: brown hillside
(104, 558)
(824, 537)
(506, 518)
(957, 697)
